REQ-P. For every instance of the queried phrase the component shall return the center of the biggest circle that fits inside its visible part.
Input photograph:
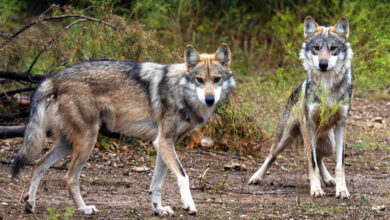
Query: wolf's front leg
(341, 187)
(309, 139)
(166, 149)
(314, 174)
(159, 174)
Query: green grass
(53, 214)
(370, 139)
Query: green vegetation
(53, 214)
(265, 38)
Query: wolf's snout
(209, 100)
(323, 65)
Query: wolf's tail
(36, 128)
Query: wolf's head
(209, 75)
(325, 48)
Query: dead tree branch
(51, 41)
(12, 131)
(21, 76)
(48, 18)
(26, 76)
(18, 131)
(13, 92)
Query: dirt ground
(116, 181)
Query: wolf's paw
(317, 193)
(88, 210)
(29, 206)
(164, 211)
(254, 180)
(330, 182)
(190, 210)
(342, 193)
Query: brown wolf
(317, 110)
(146, 100)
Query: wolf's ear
(310, 27)
(223, 55)
(341, 28)
(191, 56)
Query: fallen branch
(202, 179)
(12, 131)
(18, 131)
(21, 76)
(13, 92)
(10, 196)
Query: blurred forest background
(40, 37)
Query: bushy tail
(35, 133)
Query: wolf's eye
(333, 48)
(199, 80)
(217, 79)
(316, 47)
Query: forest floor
(116, 180)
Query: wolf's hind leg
(284, 141)
(59, 151)
(159, 174)
(82, 148)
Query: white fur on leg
(163, 211)
(314, 174)
(341, 187)
(326, 177)
(260, 173)
(159, 174)
(186, 197)
(158, 209)
(315, 184)
(88, 210)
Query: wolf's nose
(209, 100)
(323, 65)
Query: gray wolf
(147, 100)
(317, 110)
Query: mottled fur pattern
(151, 101)
(326, 57)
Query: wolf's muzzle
(323, 65)
(209, 100)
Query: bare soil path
(117, 181)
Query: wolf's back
(36, 128)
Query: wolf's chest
(325, 117)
